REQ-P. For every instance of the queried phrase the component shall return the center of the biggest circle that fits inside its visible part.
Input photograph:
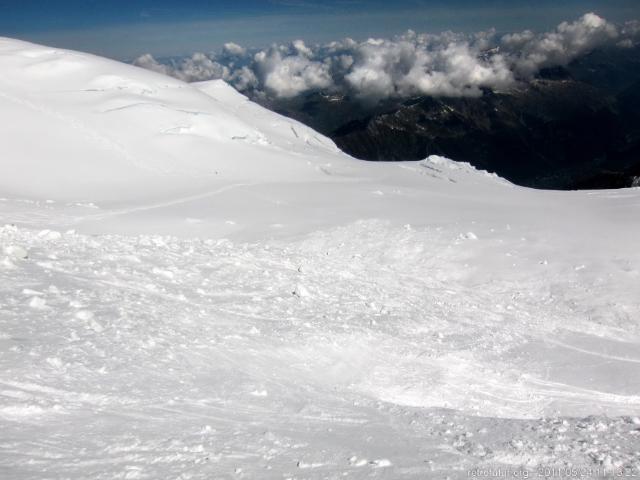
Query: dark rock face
(546, 135)
(573, 127)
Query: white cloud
(447, 64)
(288, 72)
(456, 70)
(244, 79)
(196, 68)
(233, 49)
(200, 67)
(302, 50)
(559, 47)
(147, 61)
(418, 65)
(518, 40)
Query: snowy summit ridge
(86, 126)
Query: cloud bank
(447, 64)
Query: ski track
(169, 203)
(158, 357)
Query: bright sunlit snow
(195, 287)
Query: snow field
(160, 357)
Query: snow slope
(194, 287)
(116, 127)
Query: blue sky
(124, 29)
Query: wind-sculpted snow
(348, 351)
(194, 287)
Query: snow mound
(438, 164)
(78, 127)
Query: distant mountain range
(573, 127)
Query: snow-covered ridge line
(105, 126)
(84, 130)
(447, 163)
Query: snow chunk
(163, 273)
(84, 315)
(55, 362)
(305, 465)
(95, 326)
(16, 252)
(49, 235)
(9, 229)
(358, 462)
(381, 463)
(30, 292)
(7, 263)
(468, 236)
(301, 291)
(37, 303)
